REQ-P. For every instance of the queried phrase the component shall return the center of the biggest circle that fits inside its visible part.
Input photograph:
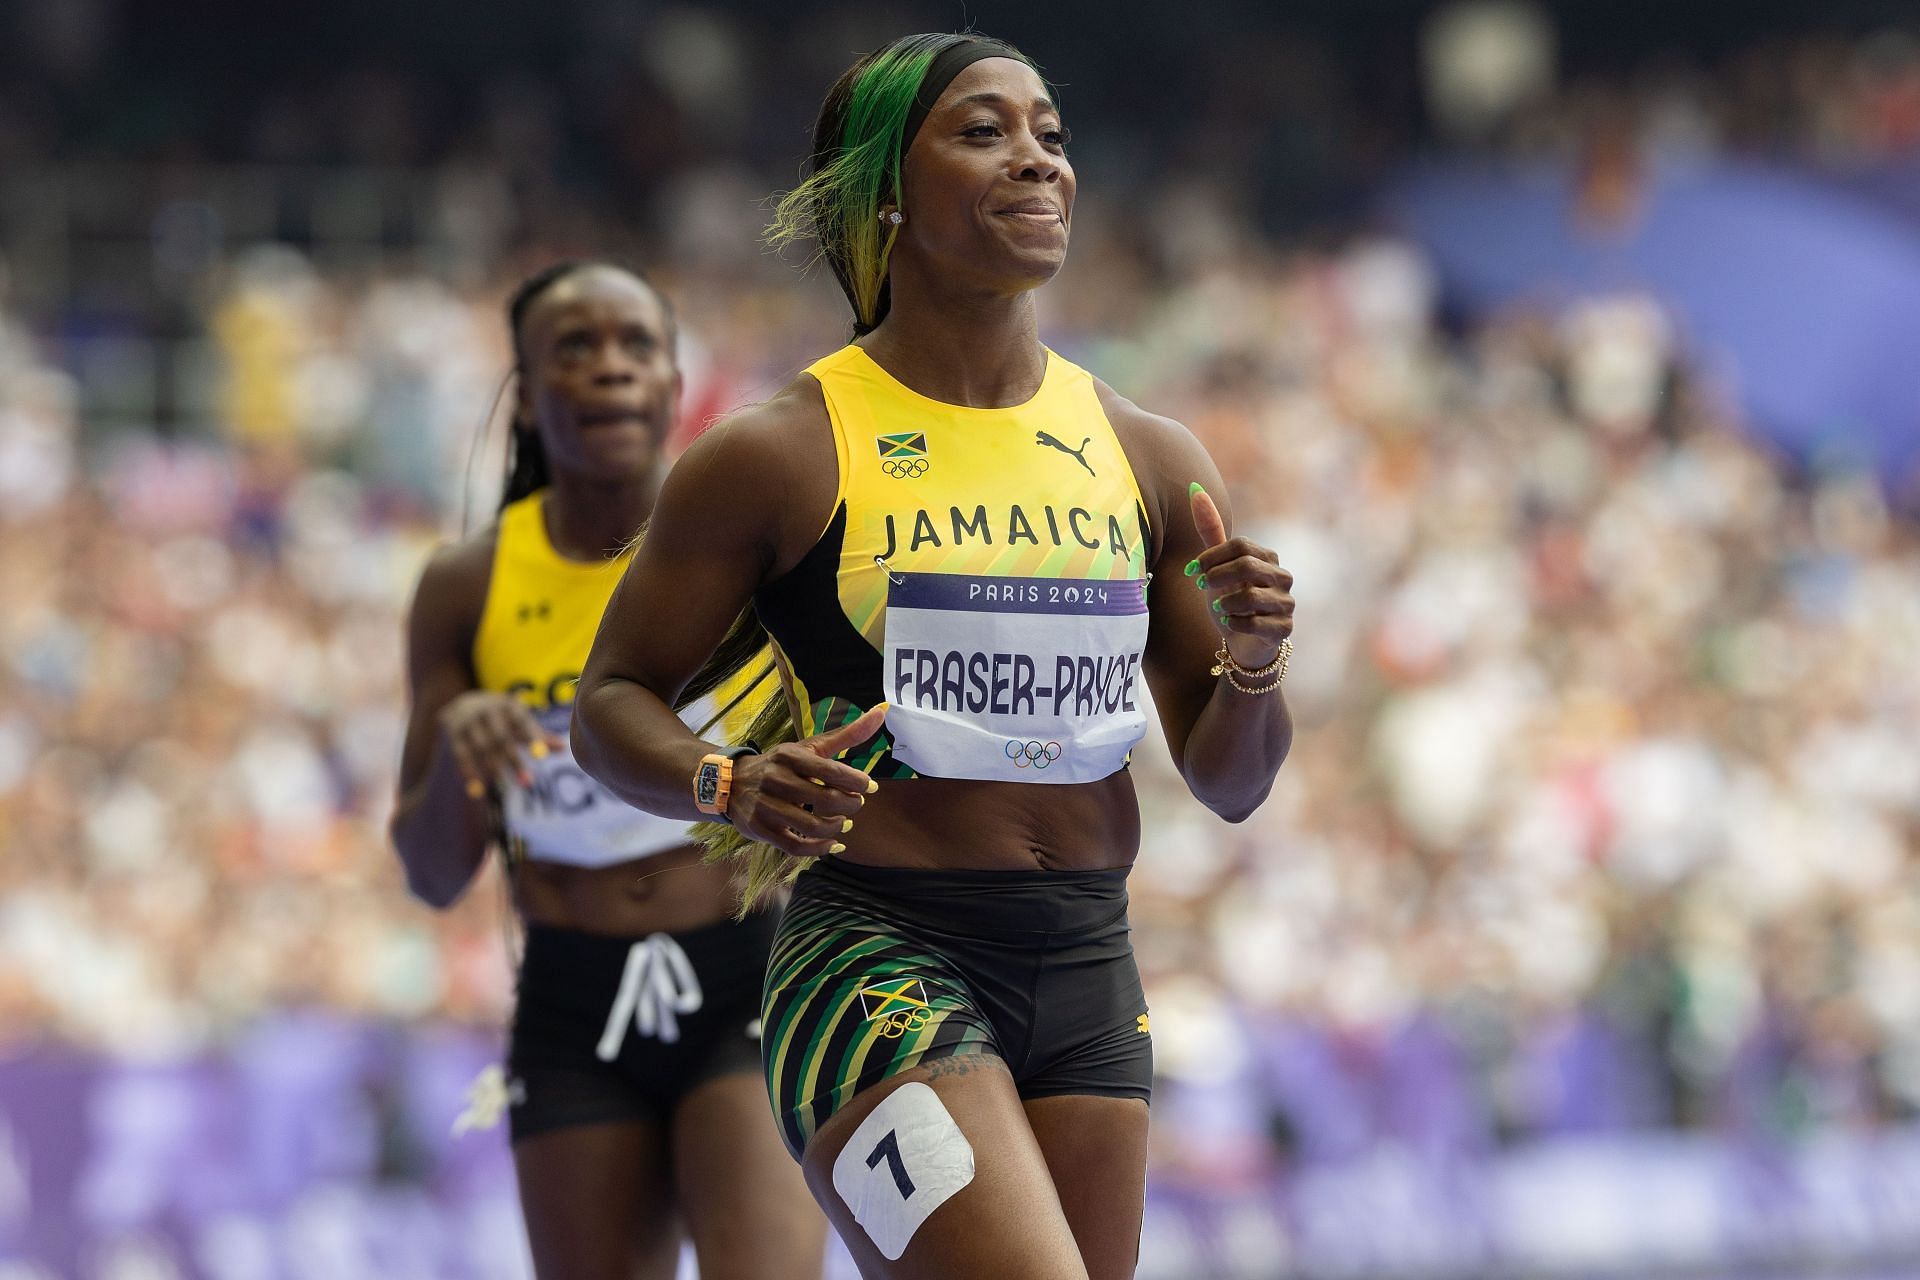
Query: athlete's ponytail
(745, 647)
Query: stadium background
(1564, 352)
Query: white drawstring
(658, 984)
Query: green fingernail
(838, 848)
(846, 825)
(1193, 567)
(1218, 607)
(1201, 582)
(1193, 489)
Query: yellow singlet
(984, 572)
(535, 633)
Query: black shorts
(877, 969)
(616, 1029)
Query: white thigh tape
(903, 1162)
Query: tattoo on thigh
(960, 1064)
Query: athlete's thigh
(598, 1202)
(1096, 1150)
(1003, 1221)
(742, 1197)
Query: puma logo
(1079, 455)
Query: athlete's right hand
(488, 732)
(797, 797)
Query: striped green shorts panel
(848, 1003)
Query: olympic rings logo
(903, 1021)
(905, 468)
(1031, 754)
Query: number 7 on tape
(906, 1159)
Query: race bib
(566, 816)
(1014, 679)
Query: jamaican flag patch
(907, 444)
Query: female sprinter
(635, 1055)
(948, 531)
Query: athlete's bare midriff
(669, 892)
(999, 826)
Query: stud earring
(893, 217)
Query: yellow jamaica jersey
(535, 633)
(984, 573)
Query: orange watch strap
(713, 784)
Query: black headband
(950, 62)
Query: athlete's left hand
(1248, 594)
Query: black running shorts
(877, 969)
(615, 1029)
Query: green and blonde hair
(860, 145)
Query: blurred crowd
(1603, 808)
(1604, 805)
(1832, 98)
(509, 122)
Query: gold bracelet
(1249, 689)
(1223, 661)
(1225, 664)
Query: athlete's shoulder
(1161, 449)
(771, 467)
(1164, 455)
(769, 426)
(1134, 424)
(453, 584)
(764, 451)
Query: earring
(892, 217)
